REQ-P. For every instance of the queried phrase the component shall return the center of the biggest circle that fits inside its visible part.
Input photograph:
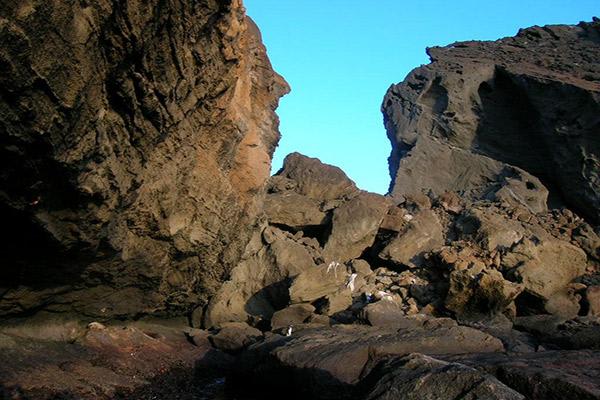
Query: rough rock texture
(69, 360)
(480, 109)
(334, 360)
(422, 377)
(544, 375)
(135, 139)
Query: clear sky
(340, 56)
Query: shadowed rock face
(135, 139)
(530, 101)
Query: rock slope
(135, 140)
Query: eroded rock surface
(136, 139)
(464, 122)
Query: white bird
(289, 330)
(333, 265)
(350, 283)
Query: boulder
(543, 375)
(545, 267)
(592, 296)
(518, 188)
(293, 315)
(491, 228)
(564, 303)
(354, 226)
(384, 313)
(335, 302)
(478, 291)
(258, 285)
(293, 210)
(311, 178)
(335, 359)
(318, 282)
(235, 336)
(423, 234)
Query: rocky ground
(153, 258)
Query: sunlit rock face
(531, 101)
(135, 140)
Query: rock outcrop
(486, 118)
(135, 141)
(135, 149)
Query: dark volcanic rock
(328, 363)
(421, 377)
(532, 101)
(135, 139)
(67, 360)
(544, 375)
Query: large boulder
(545, 267)
(545, 374)
(423, 234)
(354, 226)
(318, 282)
(235, 336)
(311, 178)
(479, 291)
(463, 122)
(114, 175)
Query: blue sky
(340, 56)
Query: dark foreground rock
(417, 377)
(329, 363)
(46, 360)
(544, 375)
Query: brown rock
(235, 336)
(478, 291)
(316, 180)
(336, 302)
(318, 282)
(293, 315)
(423, 234)
(385, 313)
(354, 226)
(112, 165)
(258, 285)
(462, 122)
(293, 210)
(545, 267)
(592, 296)
(450, 202)
(418, 376)
(334, 359)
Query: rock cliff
(532, 101)
(135, 140)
